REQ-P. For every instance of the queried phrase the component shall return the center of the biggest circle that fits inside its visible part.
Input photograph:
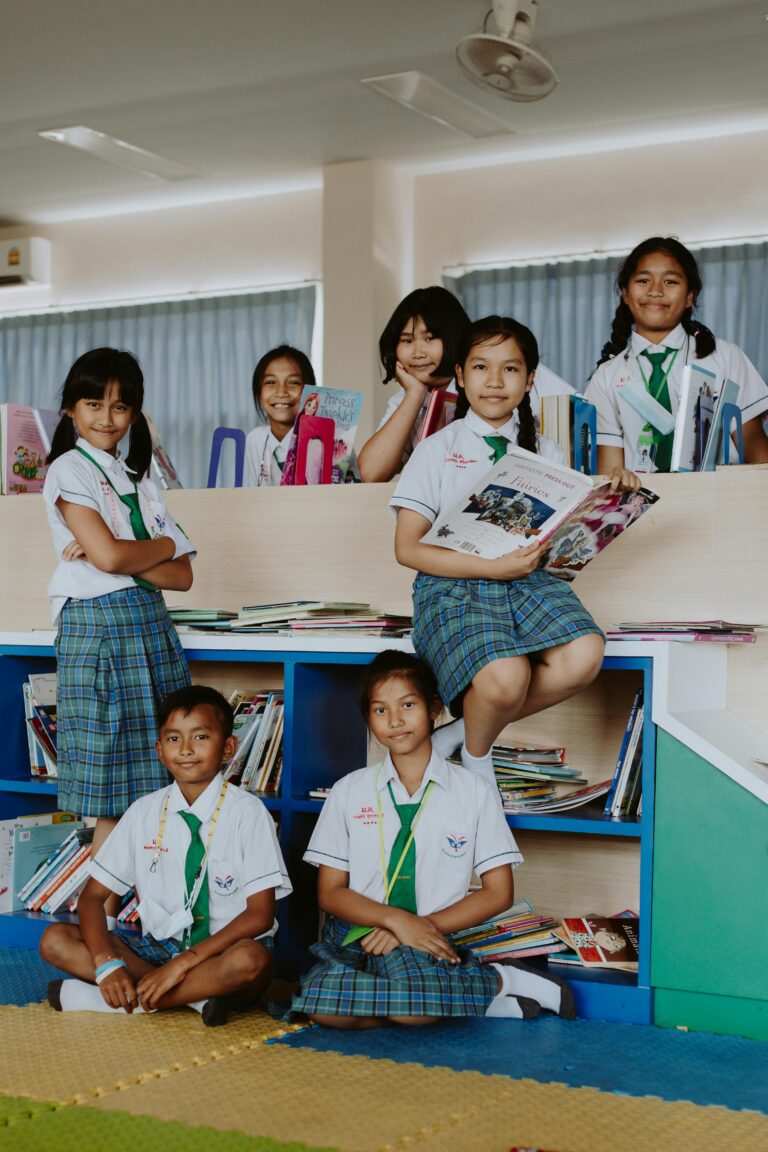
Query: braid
(705, 339)
(621, 330)
(526, 435)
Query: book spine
(59, 878)
(629, 760)
(47, 866)
(70, 883)
(622, 751)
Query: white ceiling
(256, 96)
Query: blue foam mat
(24, 976)
(627, 1059)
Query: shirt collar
(437, 770)
(104, 459)
(473, 421)
(675, 339)
(204, 805)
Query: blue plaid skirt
(459, 626)
(117, 657)
(406, 982)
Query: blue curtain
(570, 304)
(197, 356)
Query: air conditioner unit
(25, 261)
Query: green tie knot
(498, 446)
(656, 358)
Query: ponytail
(705, 339)
(139, 455)
(621, 331)
(63, 440)
(526, 431)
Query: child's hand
(73, 551)
(380, 942)
(118, 990)
(154, 985)
(514, 565)
(419, 932)
(408, 382)
(622, 480)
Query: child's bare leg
(353, 1023)
(558, 673)
(493, 700)
(104, 825)
(62, 946)
(244, 968)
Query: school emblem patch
(224, 883)
(456, 845)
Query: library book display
(692, 864)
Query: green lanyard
(131, 501)
(389, 881)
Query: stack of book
(535, 779)
(702, 631)
(40, 713)
(600, 941)
(519, 932)
(187, 619)
(258, 762)
(296, 618)
(15, 832)
(625, 791)
(58, 881)
(129, 913)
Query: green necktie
(138, 527)
(498, 446)
(201, 928)
(403, 894)
(658, 388)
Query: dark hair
(185, 700)
(497, 329)
(88, 379)
(443, 315)
(393, 663)
(621, 328)
(260, 371)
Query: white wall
(701, 190)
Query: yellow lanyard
(161, 832)
(389, 885)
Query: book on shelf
(295, 610)
(61, 874)
(604, 941)
(517, 932)
(253, 777)
(24, 445)
(682, 637)
(570, 421)
(713, 453)
(525, 498)
(320, 448)
(39, 693)
(696, 384)
(161, 470)
(319, 793)
(248, 716)
(627, 775)
(37, 853)
(672, 626)
(439, 411)
(8, 828)
(129, 913)
(558, 802)
(184, 615)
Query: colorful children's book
(8, 829)
(637, 701)
(439, 411)
(320, 449)
(696, 383)
(604, 942)
(35, 851)
(23, 448)
(525, 498)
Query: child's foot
(80, 996)
(216, 1011)
(551, 992)
(513, 1007)
(54, 994)
(447, 739)
(483, 765)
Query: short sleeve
(252, 470)
(69, 479)
(329, 843)
(603, 395)
(494, 845)
(113, 865)
(263, 865)
(419, 485)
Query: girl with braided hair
(653, 337)
(504, 638)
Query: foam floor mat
(24, 976)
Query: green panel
(32, 1126)
(724, 1014)
(710, 878)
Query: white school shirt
(244, 857)
(461, 829)
(446, 466)
(545, 383)
(71, 477)
(264, 454)
(619, 425)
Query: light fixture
(429, 98)
(118, 152)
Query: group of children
(397, 843)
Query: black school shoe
(54, 994)
(567, 1002)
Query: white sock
(481, 764)
(502, 1005)
(78, 996)
(517, 982)
(447, 739)
(198, 1005)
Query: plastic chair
(220, 435)
(318, 428)
(584, 435)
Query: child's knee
(588, 658)
(504, 681)
(55, 944)
(248, 961)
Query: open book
(525, 498)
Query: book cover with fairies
(322, 441)
(24, 447)
(598, 520)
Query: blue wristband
(103, 970)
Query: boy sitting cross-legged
(204, 859)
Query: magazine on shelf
(24, 444)
(604, 941)
(439, 411)
(525, 498)
(696, 383)
(713, 449)
(320, 448)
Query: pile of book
(517, 933)
(703, 631)
(258, 762)
(40, 713)
(16, 867)
(535, 779)
(57, 882)
(296, 618)
(600, 941)
(129, 913)
(625, 792)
